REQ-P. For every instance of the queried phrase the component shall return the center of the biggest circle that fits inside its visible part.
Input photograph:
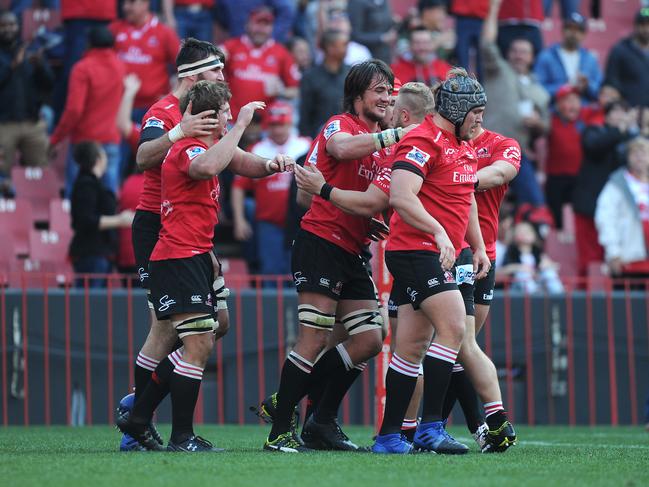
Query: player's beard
(370, 115)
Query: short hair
(417, 98)
(330, 36)
(638, 143)
(100, 37)
(426, 4)
(360, 77)
(612, 105)
(192, 50)
(86, 154)
(206, 95)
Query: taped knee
(314, 318)
(221, 293)
(362, 320)
(196, 326)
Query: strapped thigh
(312, 317)
(362, 320)
(195, 326)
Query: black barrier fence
(68, 355)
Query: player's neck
(444, 124)
(182, 89)
(372, 125)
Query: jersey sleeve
(415, 154)
(187, 155)
(383, 178)
(155, 124)
(335, 125)
(507, 150)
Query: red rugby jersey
(164, 115)
(248, 68)
(189, 208)
(323, 218)
(448, 167)
(407, 70)
(147, 51)
(491, 147)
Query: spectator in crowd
(78, 17)
(301, 52)
(602, 146)
(520, 19)
(190, 18)
(469, 17)
(564, 151)
(93, 100)
(233, 16)
(129, 130)
(372, 26)
(258, 68)
(569, 62)
(568, 7)
(148, 48)
(627, 68)
(356, 53)
(271, 193)
(433, 15)
(92, 208)
(420, 63)
(525, 262)
(520, 103)
(622, 215)
(321, 87)
(25, 80)
(593, 114)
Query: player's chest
(135, 47)
(251, 60)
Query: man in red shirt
(420, 63)
(148, 48)
(258, 67)
(336, 282)
(271, 194)
(94, 96)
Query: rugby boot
(267, 409)
(480, 436)
(140, 433)
(286, 443)
(125, 406)
(193, 444)
(329, 436)
(395, 444)
(500, 439)
(433, 437)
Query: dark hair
(86, 154)
(612, 105)
(425, 4)
(206, 95)
(100, 37)
(360, 77)
(193, 50)
(330, 36)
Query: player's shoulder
(189, 148)
(426, 134)
(342, 122)
(161, 111)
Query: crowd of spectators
(581, 120)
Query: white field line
(570, 445)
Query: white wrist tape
(175, 134)
(269, 169)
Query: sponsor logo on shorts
(433, 282)
(337, 288)
(332, 128)
(412, 293)
(299, 278)
(449, 278)
(153, 122)
(488, 297)
(325, 282)
(418, 156)
(143, 274)
(166, 302)
(197, 299)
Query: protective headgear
(457, 96)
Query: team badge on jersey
(418, 156)
(153, 122)
(331, 129)
(512, 153)
(192, 152)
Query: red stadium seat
(31, 273)
(564, 253)
(35, 18)
(236, 273)
(16, 221)
(60, 216)
(38, 185)
(49, 246)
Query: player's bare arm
(361, 203)
(252, 166)
(481, 263)
(496, 174)
(344, 146)
(220, 155)
(152, 152)
(403, 198)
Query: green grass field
(545, 456)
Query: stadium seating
(235, 267)
(35, 18)
(32, 273)
(38, 185)
(49, 246)
(16, 221)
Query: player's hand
(126, 218)
(132, 83)
(247, 111)
(481, 263)
(282, 163)
(309, 179)
(242, 230)
(198, 125)
(446, 250)
(378, 230)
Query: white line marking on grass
(571, 445)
